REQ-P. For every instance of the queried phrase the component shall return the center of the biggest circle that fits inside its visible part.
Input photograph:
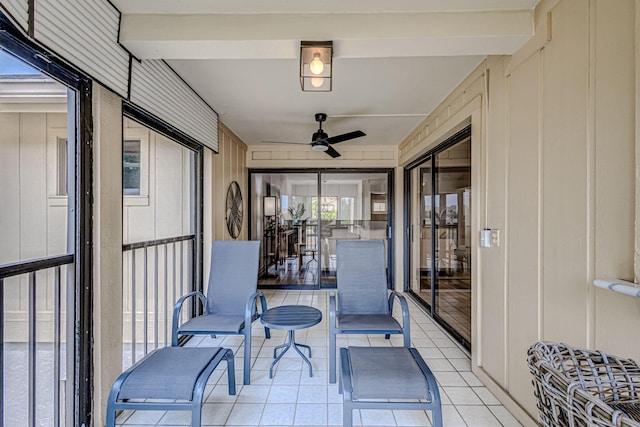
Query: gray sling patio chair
(364, 304)
(230, 304)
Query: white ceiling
(394, 61)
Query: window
(131, 167)
(138, 150)
(328, 208)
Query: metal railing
(151, 288)
(39, 407)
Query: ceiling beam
(355, 35)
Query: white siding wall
(554, 170)
(33, 223)
(163, 209)
(19, 11)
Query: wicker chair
(579, 387)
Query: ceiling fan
(320, 141)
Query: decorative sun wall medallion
(233, 215)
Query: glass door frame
(328, 171)
(80, 409)
(428, 156)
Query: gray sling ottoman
(387, 378)
(176, 376)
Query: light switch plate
(485, 238)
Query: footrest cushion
(386, 373)
(168, 373)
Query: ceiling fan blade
(345, 137)
(332, 152)
(285, 142)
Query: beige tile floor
(292, 398)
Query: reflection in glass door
(351, 206)
(452, 224)
(284, 219)
(440, 235)
(299, 217)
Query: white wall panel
(522, 198)
(86, 35)
(18, 11)
(156, 88)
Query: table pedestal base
(290, 341)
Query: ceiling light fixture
(316, 66)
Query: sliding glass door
(284, 219)
(440, 234)
(299, 215)
(352, 206)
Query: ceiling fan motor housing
(319, 135)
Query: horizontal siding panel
(261, 155)
(86, 35)
(156, 88)
(18, 11)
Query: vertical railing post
(145, 304)
(155, 310)
(173, 288)
(32, 349)
(182, 270)
(197, 308)
(2, 353)
(167, 312)
(133, 306)
(57, 310)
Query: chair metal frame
(116, 403)
(250, 311)
(349, 403)
(375, 248)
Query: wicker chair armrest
(611, 385)
(553, 404)
(581, 387)
(580, 402)
(596, 412)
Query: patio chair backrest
(361, 277)
(234, 275)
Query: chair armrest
(589, 402)
(345, 385)
(588, 386)
(595, 412)
(403, 305)
(251, 307)
(178, 307)
(332, 309)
